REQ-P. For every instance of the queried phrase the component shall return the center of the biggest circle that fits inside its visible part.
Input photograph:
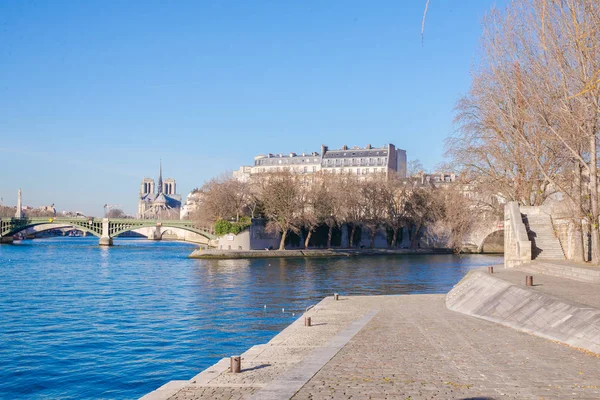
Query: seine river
(80, 321)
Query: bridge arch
(493, 243)
(14, 227)
(119, 228)
(487, 235)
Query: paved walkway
(415, 348)
(410, 347)
(580, 292)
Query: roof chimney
(344, 147)
(368, 147)
(324, 149)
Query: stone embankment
(237, 254)
(413, 346)
(554, 308)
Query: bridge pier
(156, 233)
(6, 240)
(105, 239)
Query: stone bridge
(488, 237)
(104, 228)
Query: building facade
(160, 202)
(359, 161)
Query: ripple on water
(81, 321)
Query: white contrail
(423, 23)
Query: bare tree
(459, 214)
(413, 167)
(351, 204)
(395, 196)
(530, 123)
(224, 198)
(423, 206)
(374, 205)
(7, 212)
(116, 213)
(280, 197)
(318, 199)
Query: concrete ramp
(488, 297)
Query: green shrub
(223, 227)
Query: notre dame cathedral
(163, 203)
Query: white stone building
(355, 160)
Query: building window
(305, 169)
(314, 168)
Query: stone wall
(517, 247)
(254, 238)
(484, 296)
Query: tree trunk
(414, 236)
(329, 233)
(282, 243)
(394, 238)
(351, 238)
(594, 201)
(578, 251)
(373, 233)
(308, 235)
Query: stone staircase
(544, 245)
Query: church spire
(160, 183)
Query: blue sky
(94, 93)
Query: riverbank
(415, 346)
(238, 254)
(408, 346)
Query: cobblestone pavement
(415, 348)
(412, 348)
(580, 292)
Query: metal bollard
(529, 280)
(307, 321)
(336, 296)
(236, 364)
(490, 270)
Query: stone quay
(490, 337)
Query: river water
(81, 321)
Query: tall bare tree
(351, 204)
(395, 196)
(529, 126)
(374, 205)
(280, 196)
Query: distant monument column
(19, 213)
